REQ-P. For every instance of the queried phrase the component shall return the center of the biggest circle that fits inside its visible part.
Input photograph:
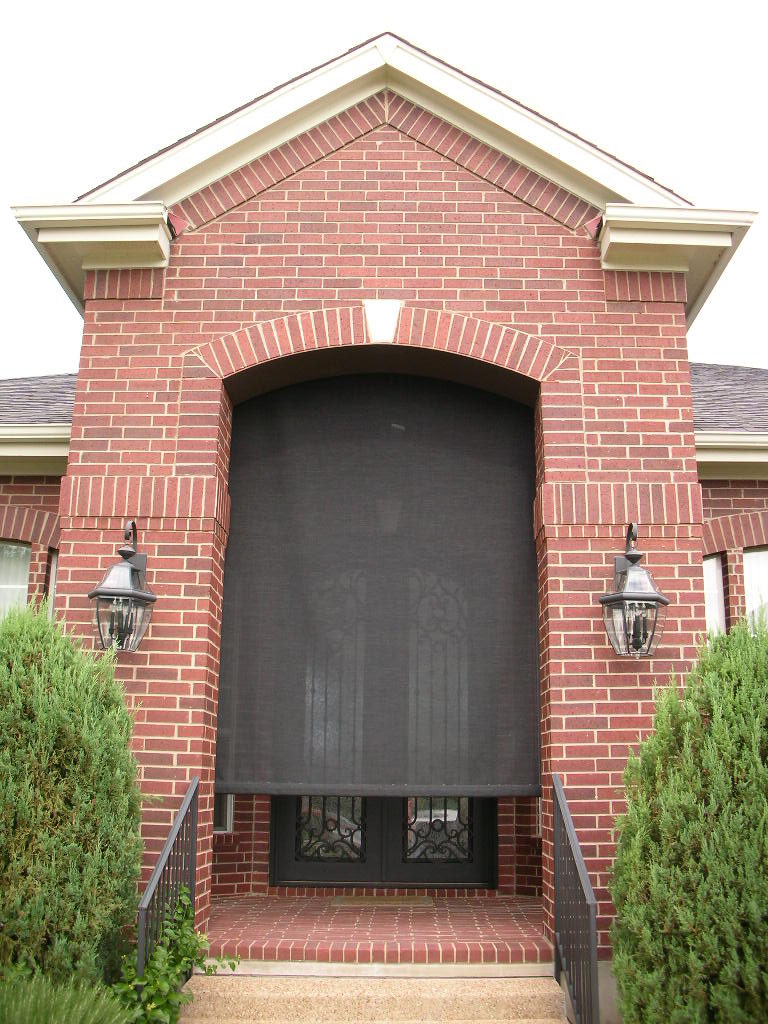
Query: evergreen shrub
(690, 940)
(69, 803)
(37, 1000)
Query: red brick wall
(519, 846)
(241, 857)
(29, 514)
(388, 202)
(729, 497)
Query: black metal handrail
(575, 914)
(175, 868)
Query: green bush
(690, 941)
(69, 803)
(36, 1000)
(156, 997)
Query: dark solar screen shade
(379, 625)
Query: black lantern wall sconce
(634, 612)
(122, 602)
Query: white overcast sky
(678, 89)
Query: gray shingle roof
(729, 397)
(724, 398)
(37, 399)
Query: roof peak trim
(384, 61)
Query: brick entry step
(447, 930)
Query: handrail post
(141, 942)
(557, 853)
(193, 848)
(595, 1000)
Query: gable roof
(124, 221)
(385, 61)
(35, 424)
(38, 399)
(729, 398)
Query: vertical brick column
(639, 465)
(733, 586)
(123, 465)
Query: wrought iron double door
(410, 841)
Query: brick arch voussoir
(728, 533)
(204, 402)
(29, 526)
(530, 356)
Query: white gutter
(34, 449)
(737, 455)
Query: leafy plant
(157, 996)
(38, 1000)
(69, 802)
(690, 882)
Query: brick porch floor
(453, 929)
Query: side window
(223, 812)
(14, 574)
(50, 582)
(714, 599)
(756, 581)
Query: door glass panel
(437, 829)
(330, 829)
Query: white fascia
(73, 238)
(34, 449)
(387, 61)
(735, 455)
(695, 241)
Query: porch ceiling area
(434, 929)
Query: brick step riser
(360, 953)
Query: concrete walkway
(331, 1000)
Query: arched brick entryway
(245, 363)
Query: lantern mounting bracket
(128, 550)
(631, 556)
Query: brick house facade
(565, 285)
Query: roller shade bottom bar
(301, 788)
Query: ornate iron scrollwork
(330, 828)
(437, 829)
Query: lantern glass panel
(613, 617)
(121, 621)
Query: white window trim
(714, 596)
(230, 816)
